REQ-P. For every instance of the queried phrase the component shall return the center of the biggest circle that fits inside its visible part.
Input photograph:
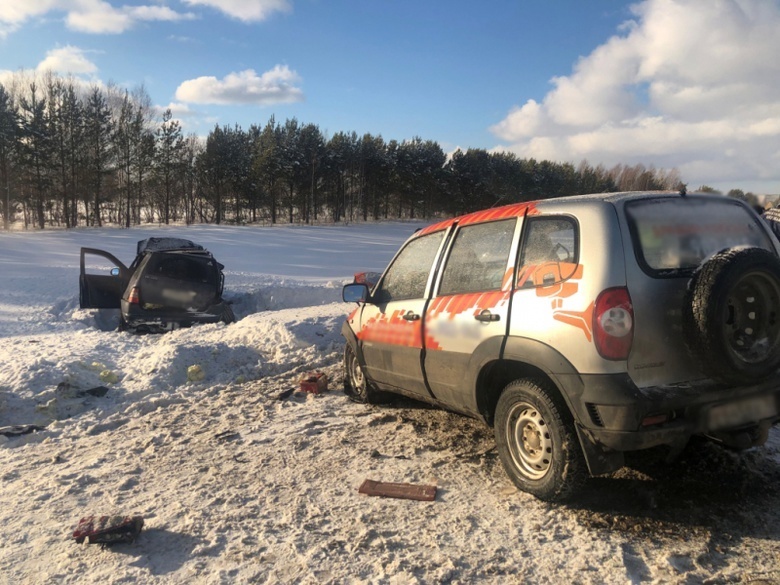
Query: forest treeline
(72, 155)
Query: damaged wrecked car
(171, 283)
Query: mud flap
(600, 460)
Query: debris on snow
(108, 529)
(18, 430)
(108, 377)
(401, 491)
(314, 382)
(195, 373)
(285, 394)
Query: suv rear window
(673, 235)
(181, 267)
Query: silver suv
(581, 328)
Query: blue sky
(687, 84)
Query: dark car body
(171, 283)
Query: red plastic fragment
(403, 491)
(314, 382)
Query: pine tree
(99, 151)
(169, 144)
(36, 153)
(9, 134)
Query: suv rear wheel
(537, 442)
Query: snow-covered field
(237, 486)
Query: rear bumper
(618, 416)
(136, 317)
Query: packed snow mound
(284, 295)
(144, 367)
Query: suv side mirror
(355, 293)
(115, 271)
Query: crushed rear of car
(171, 283)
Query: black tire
(537, 442)
(356, 386)
(731, 316)
(227, 315)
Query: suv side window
(478, 258)
(550, 251)
(407, 276)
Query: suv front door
(391, 332)
(101, 288)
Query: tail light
(613, 324)
(134, 298)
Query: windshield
(676, 234)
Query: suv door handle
(486, 316)
(411, 316)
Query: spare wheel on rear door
(731, 315)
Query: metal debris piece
(108, 529)
(97, 391)
(285, 394)
(403, 491)
(17, 430)
(228, 435)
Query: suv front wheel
(356, 386)
(537, 442)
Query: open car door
(102, 288)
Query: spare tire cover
(731, 315)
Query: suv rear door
(670, 238)
(101, 289)
(468, 318)
(179, 280)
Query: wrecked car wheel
(227, 315)
(731, 315)
(537, 442)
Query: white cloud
(17, 12)
(14, 14)
(246, 87)
(178, 110)
(246, 10)
(67, 60)
(687, 84)
(98, 18)
(90, 16)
